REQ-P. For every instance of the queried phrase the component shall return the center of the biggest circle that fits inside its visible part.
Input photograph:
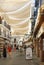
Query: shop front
(39, 34)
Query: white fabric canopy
(17, 14)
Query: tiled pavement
(18, 59)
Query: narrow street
(19, 59)
(21, 32)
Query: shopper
(4, 51)
(15, 47)
(9, 50)
(0, 54)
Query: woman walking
(9, 50)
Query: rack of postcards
(4, 33)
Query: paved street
(19, 59)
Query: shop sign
(29, 53)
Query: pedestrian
(15, 47)
(4, 51)
(0, 54)
(9, 50)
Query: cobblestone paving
(19, 59)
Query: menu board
(29, 53)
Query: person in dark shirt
(4, 51)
